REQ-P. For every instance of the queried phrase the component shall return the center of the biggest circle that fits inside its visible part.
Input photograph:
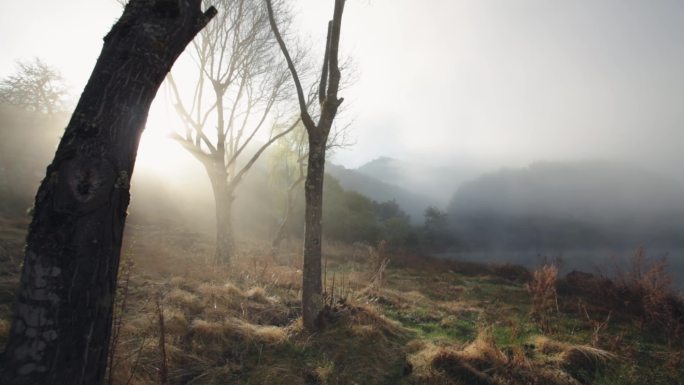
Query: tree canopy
(35, 86)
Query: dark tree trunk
(312, 298)
(63, 310)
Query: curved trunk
(312, 298)
(63, 310)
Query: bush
(542, 288)
(648, 286)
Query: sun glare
(158, 152)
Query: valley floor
(418, 321)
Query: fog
(507, 83)
(448, 91)
(495, 83)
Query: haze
(444, 92)
(480, 82)
(500, 198)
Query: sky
(494, 82)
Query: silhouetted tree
(436, 228)
(34, 87)
(63, 310)
(395, 222)
(312, 300)
(239, 88)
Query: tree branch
(238, 177)
(326, 62)
(188, 119)
(188, 145)
(334, 51)
(306, 118)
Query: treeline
(569, 205)
(349, 216)
(27, 140)
(547, 206)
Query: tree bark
(223, 198)
(63, 309)
(312, 297)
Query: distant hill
(570, 204)
(438, 182)
(411, 203)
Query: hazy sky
(504, 82)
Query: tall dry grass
(542, 289)
(647, 286)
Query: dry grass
(596, 326)
(484, 350)
(649, 286)
(185, 300)
(378, 259)
(247, 331)
(175, 321)
(236, 330)
(420, 326)
(542, 289)
(227, 292)
(482, 362)
(257, 294)
(551, 347)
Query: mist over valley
(343, 192)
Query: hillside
(570, 205)
(413, 204)
(436, 181)
(424, 322)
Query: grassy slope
(430, 322)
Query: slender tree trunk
(225, 239)
(281, 233)
(312, 298)
(223, 198)
(63, 310)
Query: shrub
(648, 285)
(542, 288)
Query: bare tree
(34, 87)
(312, 300)
(289, 169)
(240, 88)
(63, 310)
